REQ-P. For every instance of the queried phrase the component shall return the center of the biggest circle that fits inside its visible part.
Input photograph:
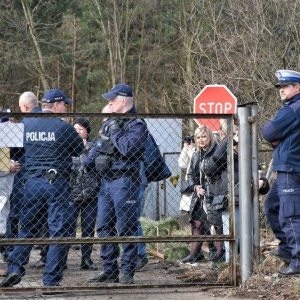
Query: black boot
(87, 264)
(212, 251)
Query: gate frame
(245, 266)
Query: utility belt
(133, 173)
(52, 175)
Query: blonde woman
(206, 145)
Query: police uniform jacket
(49, 143)
(285, 128)
(129, 146)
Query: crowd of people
(63, 175)
(282, 202)
(60, 175)
(206, 180)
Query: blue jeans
(141, 246)
(225, 219)
(51, 203)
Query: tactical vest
(156, 168)
(108, 154)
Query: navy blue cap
(55, 95)
(6, 119)
(120, 89)
(287, 77)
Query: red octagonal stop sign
(214, 99)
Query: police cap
(6, 119)
(287, 77)
(120, 89)
(55, 95)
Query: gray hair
(29, 99)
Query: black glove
(266, 186)
(113, 124)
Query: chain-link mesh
(60, 209)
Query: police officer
(49, 146)
(118, 199)
(283, 132)
(142, 258)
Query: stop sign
(214, 99)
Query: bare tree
(33, 33)
(243, 44)
(114, 19)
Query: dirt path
(156, 273)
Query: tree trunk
(30, 22)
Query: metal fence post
(245, 204)
(256, 210)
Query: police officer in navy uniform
(118, 199)
(283, 209)
(49, 146)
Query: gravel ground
(163, 278)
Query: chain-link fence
(170, 227)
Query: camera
(188, 139)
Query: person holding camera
(198, 185)
(184, 163)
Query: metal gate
(166, 229)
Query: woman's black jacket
(195, 175)
(85, 181)
(216, 170)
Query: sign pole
(255, 177)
